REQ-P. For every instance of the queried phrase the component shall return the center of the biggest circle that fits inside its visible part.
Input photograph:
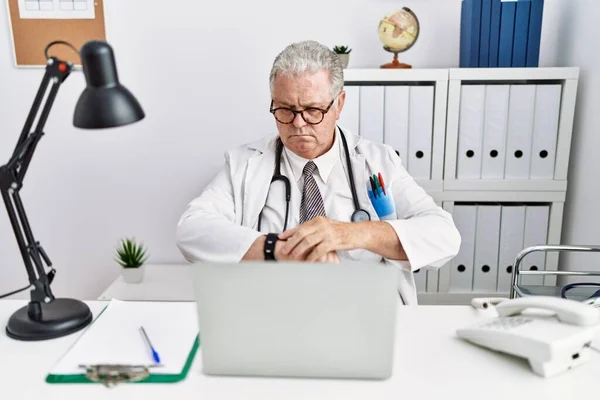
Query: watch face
(360, 215)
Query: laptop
(304, 320)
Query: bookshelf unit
(514, 124)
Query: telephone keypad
(505, 323)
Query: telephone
(552, 333)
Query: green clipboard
(113, 374)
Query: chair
(528, 290)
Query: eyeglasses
(311, 115)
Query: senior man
(302, 193)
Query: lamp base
(58, 318)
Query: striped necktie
(312, 202)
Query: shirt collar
(325, 162)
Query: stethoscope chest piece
(360, 215)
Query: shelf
(501, 74)
(517, 185)
(393, 75)
(500, 196)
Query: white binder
(470, 132)
(486, 248)
(420, 136)
(350, 113)
(520, 131)
(512, 229)
(536, 233)
(421, 280)
(494, 131)
(461, 273)
(545, 132)
(396, 120)
(371, 113)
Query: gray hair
(309, 56)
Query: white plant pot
(133, 275)
(345, 58)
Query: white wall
(577, 32)
(201, 74)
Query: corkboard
(31, 36)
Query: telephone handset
(552, 333)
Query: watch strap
(269, 249)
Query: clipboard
(112, 351)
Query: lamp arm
(11, 181)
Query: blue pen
(154, 353)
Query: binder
(475, 19)
(396, 119)
(520, 131)
(461, 272)
(519, 57)
(349, 116)
(371, 113)
(535, 33)
(495, 33)
(465, 34)
(486, 248)
(484, 45)
(420, 134)
(494, 131)
(512, 229)
(470, 132)
(507, 30)
(536, 233)
(545, 131)
(114, 338)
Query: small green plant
(342, 50)
(130, 254)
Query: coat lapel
(257, 181)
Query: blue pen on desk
(154, 353)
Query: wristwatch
(269, 249)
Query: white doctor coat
(220, 224)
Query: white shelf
(443, 185)
(512, 74)
(503, 185)
(501, 196)
(352, 75)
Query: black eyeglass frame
(301, 112)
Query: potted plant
(343, 53)
(131, 256)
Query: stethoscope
(358, 215)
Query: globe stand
(395, 63)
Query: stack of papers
(115, 337)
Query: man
(230, 220)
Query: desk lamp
(104, 103)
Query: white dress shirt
(331, 178)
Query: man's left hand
(316, 238)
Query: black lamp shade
(105, 103)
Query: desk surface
(162, 282)
(430, 363)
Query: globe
(398, 31)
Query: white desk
(162, 282)
(430, 363)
